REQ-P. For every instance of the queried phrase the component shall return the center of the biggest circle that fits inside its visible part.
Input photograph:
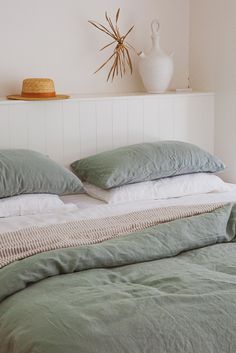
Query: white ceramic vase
(156, 68)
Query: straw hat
(38, 89)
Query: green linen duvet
(168, 289)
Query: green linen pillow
(29, 172)
(143, 162)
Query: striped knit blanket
(20, 244)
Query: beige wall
(53, 38)
(213, 67)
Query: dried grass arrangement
(121, 58)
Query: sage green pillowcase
(29, 172)
(143, 162)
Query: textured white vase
(156, 68)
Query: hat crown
(38, 87)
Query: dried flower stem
(121, 56)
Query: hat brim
(19, 97)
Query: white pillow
(182, 185)
(29, 204)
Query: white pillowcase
(29, 204)
(182, 185)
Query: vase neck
(156, 42)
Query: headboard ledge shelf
(115, 96)
(86, 124)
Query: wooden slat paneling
(72, 129)
(88, 128)
(19, 125)
(71, 132)
(37, 127)
(166, 118)
(135, 121)
(119, 123)
(54, 130)
(151, 121)
(104, 125)
(5, 131)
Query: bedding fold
(26, 242)
(154, 243)
(167, 288)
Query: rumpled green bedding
(168, 289)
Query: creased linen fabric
(170, 288)
(144, 162)
(30, 241)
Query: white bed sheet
(82, 207)
(82, 201)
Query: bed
(152, 275)
(168, 288)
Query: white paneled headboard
(81, 126)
